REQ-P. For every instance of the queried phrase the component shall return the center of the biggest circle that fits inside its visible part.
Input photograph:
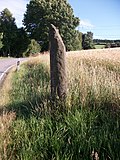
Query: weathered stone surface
(57, 63)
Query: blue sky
(102, 17)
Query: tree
(1, 37)
(118, 44)
(9, 30)
(108, 45)
(21, 43)
(32, 48)
(78, 41)
(87, 41)
(40, 14)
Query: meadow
(85, 127)
(99, 46)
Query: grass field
(100, 46)
(87, 126)
(4, 57)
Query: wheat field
(97, 71)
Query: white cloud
(86, 24)
(16, 7)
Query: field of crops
(88, 124)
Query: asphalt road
(6, 64)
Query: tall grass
(89, 124)
(93, 83)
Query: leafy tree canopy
(41, 13)
(21, 43)
(32, 48)
(87, 41)
(1, 37)
(9, 29)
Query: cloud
(16, 7)
(86, 24)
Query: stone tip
(53, 27)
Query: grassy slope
(90, 121)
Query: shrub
(33, 48)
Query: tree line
(33, 37)
(107, 43)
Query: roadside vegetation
(88, 123)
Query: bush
(108, 45)
(33, 48)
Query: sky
(102, 17)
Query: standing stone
(57, 64)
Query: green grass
(69, 136)
(1, 57)
(99, 46)
(4, 58)
(88, 121)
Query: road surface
(6, 64)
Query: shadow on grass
(36, 107)
(30, 93)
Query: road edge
(4, 73)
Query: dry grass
(5, 117)
(5, 88)
(91, 74)
(111, 54)
(42, 58)
(94, 74)
(5, 124)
